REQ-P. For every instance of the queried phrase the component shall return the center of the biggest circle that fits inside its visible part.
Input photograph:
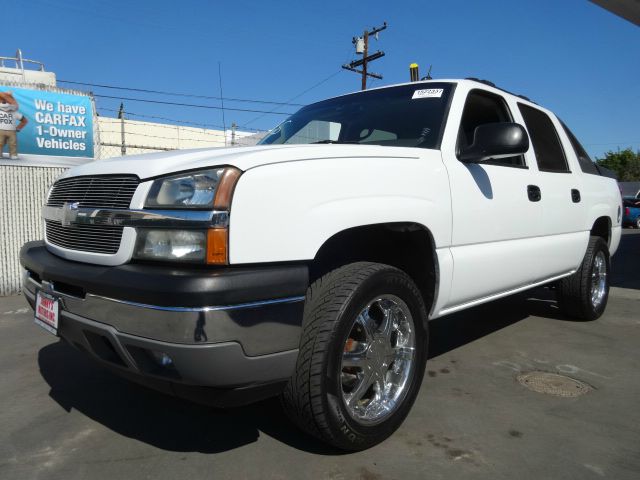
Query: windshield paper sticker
(428, 93)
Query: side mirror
(495, 141)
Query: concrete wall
(157, 136)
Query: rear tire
(362, 355)
(584, 294)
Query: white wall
(162, 137)
(27, 76)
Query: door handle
(534, 193)
(575, 195)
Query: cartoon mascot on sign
(9, 115)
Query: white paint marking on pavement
(572, 369)
(595, 469)
(16, 312)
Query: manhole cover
(553, 384)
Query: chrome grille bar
(107, 191)
(84, 237)
(137, 218)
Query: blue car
(631, 217)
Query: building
(16, 70)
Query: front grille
(85, 237)
(107, 191)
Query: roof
(484, 83)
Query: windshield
(405, 116)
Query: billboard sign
(46, 127)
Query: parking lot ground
(62, 417)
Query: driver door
(496, 219)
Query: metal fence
(120, 136)
(22, 190)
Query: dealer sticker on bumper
(47, 312)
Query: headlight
(203, 189)
(206, 242)
(172, 245)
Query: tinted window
(406, 116)
(315, 131)
(546, 144)
(372, 136)
(481, 108)
(586, 164)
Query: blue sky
(570, 56)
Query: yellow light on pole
(413, 72)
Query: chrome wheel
(598, 279)
(377, 359)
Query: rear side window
(481, 108)
(586, 164)
(549, 153)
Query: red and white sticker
(47, 312)
(428, 93)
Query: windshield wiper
(332, 141)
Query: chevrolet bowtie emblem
(69, 213)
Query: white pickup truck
(310, 265)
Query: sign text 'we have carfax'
(58, 125)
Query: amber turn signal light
(217, 246)
(224, 190)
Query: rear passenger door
(495, 222)
(564, 236)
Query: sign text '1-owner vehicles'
(310, 265)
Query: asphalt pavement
(63, 417)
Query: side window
(546, 144)
(480, 108)
(586, 164)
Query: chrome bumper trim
(261, 327)
(238, 306)
(68, 215)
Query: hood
(163, 163)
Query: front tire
(362, 355)
(584, 294)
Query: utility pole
(362, 48)
(123, 146)
(233, 133)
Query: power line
(146, 135)
(613, 143)
(177, 94)
(161, 102)
(294, 97)
(168, 119)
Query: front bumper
(223, 328)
